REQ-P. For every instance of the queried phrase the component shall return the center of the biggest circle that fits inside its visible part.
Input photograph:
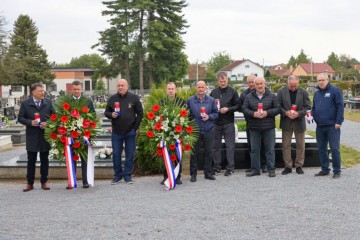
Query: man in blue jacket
(204, 111)
(328, 113)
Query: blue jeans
(268, 138)
(329, 135)
(117, 141)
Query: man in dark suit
(294, 102)
(34, 106)
(76, 91)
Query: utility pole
(197, 71)
(311, 66)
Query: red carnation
(93, 124)
(189, 129)
(66, 106)
(173, 157)
(76, 145)
(85, 109)
(53, 117)
(161, 118)
(63, 139)
(150, 134)
(87, 133)
(183, 113)
(159, 152)
(158, 126)
(187, 147)
(178, 129)
(172, 147)
(150, 115)
(74, 134)
(75, 113)
(76, 157)
(156, 108)
(62, 130)
(86, 123)
(53, 136)
(64, 119)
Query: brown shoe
(44, 186)
(28, 187)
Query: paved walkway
(235, 207)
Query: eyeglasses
(321, 80)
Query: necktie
(38, 103)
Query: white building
(239, 69)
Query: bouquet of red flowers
(72, 119)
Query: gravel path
(235, 207)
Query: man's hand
(205, 117)
(114, 115)
(42, 125)
(224, 110)
(264, 114)
(337, 126)
(34, 123)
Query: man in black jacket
(251, 86)
(261, 107)
(35, 140)
(227, 100)
(171, 96)
(125, 124)
(76, 91)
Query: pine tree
(26, 62)
(292, 62)
(302, 58)
(333, 61)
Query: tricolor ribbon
(309, 117)
(70, 164)
(177, 168)
(170, 182)
(90, 163)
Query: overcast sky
(265, 31)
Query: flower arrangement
(104, 153)
(167, 122)
(72, 119)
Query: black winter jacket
(230, 99)
(270, 105)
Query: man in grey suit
(294, 102)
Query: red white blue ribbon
(170, 182)
(90, 163)
(70, 164)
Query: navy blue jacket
(328, 106)
(194, 105)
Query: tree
(218, 60)
(3, 37)
(100, 85)
(26, 62)
(302, 58)
(148, 31)
(333, 61)
(292, 62)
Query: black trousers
(178, 177)
(44, 166)
(207, 138)
(262, 150)
(83, 170)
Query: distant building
(240, 69)
(197, 72)
(313, 69)
(356, 67)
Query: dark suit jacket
(302, 103)
(35, 141)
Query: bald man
(204, 111)
(261, 107)
(125, 126)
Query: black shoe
(178, 181)
(68, 188)
(85, 185)
(287, 171)
(129, 181)
(272, 174)
(248, 170)
(228, 173)
(193, 178)
(163, 181)
(336, 175)
(264, 169)
(321, 173)
(209, 177)
(299, 170)
(115, 181)
(215, 172)
(252, 173)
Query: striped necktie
(38, 103)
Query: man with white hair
(261, 107)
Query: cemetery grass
(349, 156)
(352, 116)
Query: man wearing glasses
(328, 113)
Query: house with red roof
(356, 67)
(240, 69)
(313, 69)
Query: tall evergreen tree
(302, 58)
(292, 62)
(25, 61)
(333, 61)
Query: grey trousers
(228, 131)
